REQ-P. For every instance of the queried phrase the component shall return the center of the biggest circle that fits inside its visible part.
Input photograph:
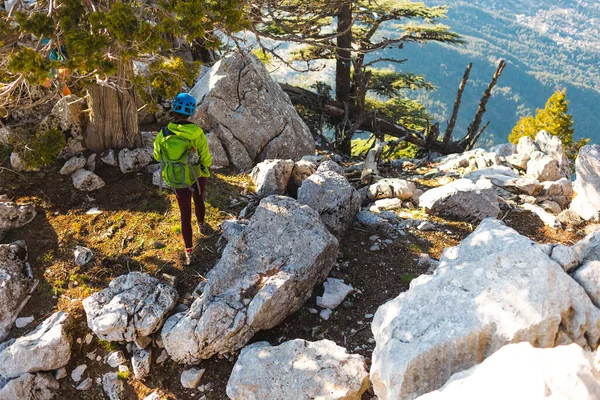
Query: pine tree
(553, 118)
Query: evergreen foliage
(555, 119)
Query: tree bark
(344, 55)
(461, 89)
(113, 115)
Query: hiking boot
(203, 229)
(188, 259)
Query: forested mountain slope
(548, 45)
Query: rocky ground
(137, 230)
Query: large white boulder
(46, 348)
(333, 197)
(552, 146)
(521, 371)
(16, 284)
(132, 306)
(298, 370)
(462, 199)
(587, 185)
(543, 167)
(266, 273)
(271, 177)
(13, 216)
(497, 287)
(527, 146)
(258, 119)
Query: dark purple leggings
(184, 199)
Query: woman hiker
(182, 149)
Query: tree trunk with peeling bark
(113, 117)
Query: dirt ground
(138, 229)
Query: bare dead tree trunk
(473, 130)
(461, 89)
(113, 114)
(370, 169)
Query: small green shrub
(42, 149)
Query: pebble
(88, 338)
(374, 238)
(368, 316)
(60, 373)
(24, 321)
(85, 385)
(313, 311)
(77, 373)
(375, 247)
(191, 378)
(162, 357)
(115, 359)
(325, 314)
(91, 355)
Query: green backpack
(177, 158)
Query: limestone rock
(134, 160)
(271, 177)
(588, 276)
(115, 359)
(238, 94)
(141, 362)
(527, 146)
(391, 188)
(386, 205)
(552, 146)
(547, 218)
(17, 162)
(113, 387)
(46, 348)
(570, 217)
(78, 372)
(504, 150)
(332, 196)
(16, 284)
(462, 199)
(14, 216)
(218, 153)
(82, 255)
(41, 386)
(264, 275)
(497, 287)
(110, 158)
(240, 160)
(587, 185)
(298, 370)
(520, 371)
(329, 165)
(518, 161)
(91, 162)
(86, 180)
(551, 207)
(374, 222)
(72, 165)
(335, 292)
(302, 170)
(543, 167)
(190, 378)
(132, 305)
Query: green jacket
(172, 150)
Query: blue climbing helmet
(184, 104)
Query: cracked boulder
(265, 274)
(271, 177)
(521, 371)
(298, 370)
(462, 199)
(132, 306)
(587, 185)
(16, 284)
(46, 348)
(255, 118)
(497, 287)
(333, 197)
(41, 386)
(13, 216)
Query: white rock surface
(520, 371)
(72, 165)
(588, 276)
(190, 378)
(134, 160)
(552, 146)
(141, 362)
(332, 196)
(271, 177)
(587, 185)
(504, 150)
(462, 199)
(86, 180)
(542, 167)
(41, 385)
(133, 305)
(527, 146)
(46, 348)
(77, 373)
(335, 293)
(547, 218)
(497, 287)
(329, 165)
(391, 188)
(518, 161)
(115, 359)
(258, 119)
(85, 385)
(16, 284)
(82, 255)
(23, 322)
(298, 370)
(217, 152)
(113, 387)
(265, 274)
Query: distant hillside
(548, 45)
